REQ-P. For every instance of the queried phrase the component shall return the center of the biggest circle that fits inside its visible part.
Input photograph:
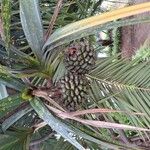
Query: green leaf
(22, 65)
(3, 92)
(54, 123)
(11, 82)
(6, 19)
(4, 70)
(15, 117)
(9, 103)
(16, 54)
(63, 145)
(32, 25)
(16, 139)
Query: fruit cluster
(79, 59)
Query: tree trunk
(134, 36)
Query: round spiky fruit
(74, 91)
(80, 57)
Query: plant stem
(47, 94)
(53, 19)
(42, 139)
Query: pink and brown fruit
(80, 57)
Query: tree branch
(53, 19)
(39, 126)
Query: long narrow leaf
(8, 103)
(32, 25)
(12, 119)
(11, 82)
(3, 91)
(54, 123)
(85, 25)
(103, 143)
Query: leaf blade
(54, 123)
(32, 25)
(12, 119)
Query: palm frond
(121, 85)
